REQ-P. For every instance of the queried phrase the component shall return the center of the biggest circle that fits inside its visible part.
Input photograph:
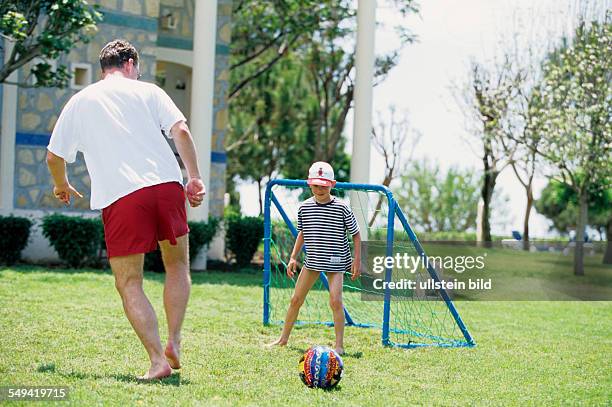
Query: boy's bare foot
(278, 342)
(156, 372)
(339, 350)
(173, 354)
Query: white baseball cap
(321, 173)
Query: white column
(362, 117)
(7, 143)
(202, 92)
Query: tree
(486, 100)
(317, 50)
(573, 117)
(47, 30)
(270, 131)
(263, 126)
(523, 164)
(389, 137)
(560, 203)
(517, 138)
(264, 32)
(439, 202)
(328, 57)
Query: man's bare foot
(339, 350)
(172, 353)
(156, 372)
(278, 342)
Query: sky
(450, 34)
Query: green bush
(200, 235)
(14, 234)
(282, 240)
(76, 240)
(243, 234)
(153, 261)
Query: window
(81, 75)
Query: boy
(323, 221)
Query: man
(117, 124)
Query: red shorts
(136, 222)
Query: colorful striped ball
(321, 367)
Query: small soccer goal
(406, 319)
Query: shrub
(282, 238)
(14, 234)
(243, 235)
(153, 261)
(76, 240)
(200, 235)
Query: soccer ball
(321, 367)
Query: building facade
(162, 31)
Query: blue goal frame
(394, 209)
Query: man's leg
(176, 293)
(138, 309)
(335, 281)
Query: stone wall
(182, 12)
(33, 184)
(220, 109)
(137, 22)
(39, 108)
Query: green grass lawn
(67, 328)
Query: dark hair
(116, 53)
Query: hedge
(14, 234)
(76, 240)
(200, 236)
(243, 235)
(79, 241)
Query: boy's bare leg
(138, 309)
(335, 281)
(176, 293)
(305, 281)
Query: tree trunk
(259, 196)
(487, 194)
(386, 182)
(608, 254)
(526, 220)
(580, 226)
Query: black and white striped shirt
(324, 227)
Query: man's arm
(195, 188)
(62, 188)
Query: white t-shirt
(117, 123)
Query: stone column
(218, 165)
(202, 88)
(7, 144)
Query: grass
(62, 327)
